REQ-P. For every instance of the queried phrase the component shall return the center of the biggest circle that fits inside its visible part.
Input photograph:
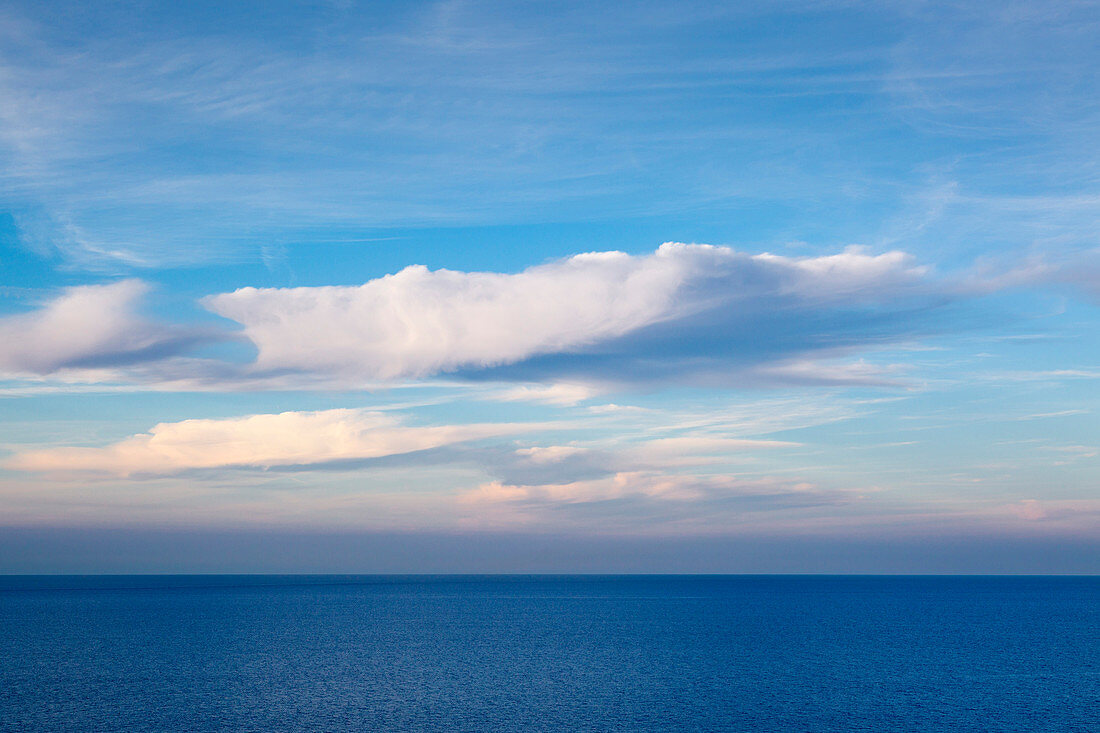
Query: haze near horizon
(549, 287)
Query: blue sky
(805, 275)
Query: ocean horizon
(550, 652)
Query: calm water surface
(538, 653)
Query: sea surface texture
(538, 653)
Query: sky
(797, 286)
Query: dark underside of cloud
(728, 347)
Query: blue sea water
(540, 653)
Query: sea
(550, 653)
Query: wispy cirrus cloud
(109, 130)
(171, 141)
(550, 394)
(552, 464)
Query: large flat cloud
(87, 327)
(598, 315)
(257, 441)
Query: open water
(541, 653)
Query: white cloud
(561, 394)
(550, 453)
(632, 483)
(759, 494)
(613, 409)
(632, 499)
(87, 326)
(825, 372)
(284, 439)
(699, 445)
(420, 322)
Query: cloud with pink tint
(655, 497)
(255, 441)
(570, 464)
(1028, 509)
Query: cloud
(560, 394)
(1080, 270)
(109, 131)
(551, 464)
(653, 497)
(634, 483)
(87, 327)
(420, 322)
(564, 331)
(569, 464)
(644, 483)
(606, 316)
(823, 372)
(1064, 269)
(699, 445)
(257, 441)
